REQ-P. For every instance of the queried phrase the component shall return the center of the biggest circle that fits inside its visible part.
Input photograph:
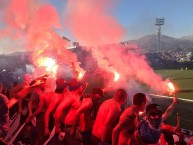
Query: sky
(38, 26)
(136, 17)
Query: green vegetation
(182, 80)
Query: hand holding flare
(172, 91)
(171, 88)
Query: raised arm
(128, 118)
(86, 104)
(24, 90)
(170, 109)
(50, 108)
(40, 106)
(177, 123)
(39, 109)
(65, 104)
(84, 88)
(115, 134)
(30, 106)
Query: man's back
(129, 122)
(85, 117)
(69, 109)
(44, 100)
(104, 117)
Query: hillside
(188, 37)
(148, 43)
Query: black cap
(98, 91)
(60, 85)
(153, 108)
(75, 86)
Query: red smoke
(36, 25)
(92, 25)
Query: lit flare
(81, 74)
(48, 63)
(171, 88)
(116, 76)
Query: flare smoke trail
(92, 25)
(35, 24)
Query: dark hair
(120, 95)
(153, 109)
(139, 98)
(75, 86)
(98, 91)
(168, 135)
(60, 85)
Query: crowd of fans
(12, 67)
(15, 65)
(170, 60)
(78, 118)
(178, 56)
(114, 123)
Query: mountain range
(148, 43)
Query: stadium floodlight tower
(159, 22)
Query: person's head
(61, 86)
(168, 135)
(97, 93)
(154, 111)
(120, 96)
(140, 100)
(74, 85)
(154, 115)
(27, 78)
(180, 135)
(1, 87)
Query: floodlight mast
(159, 22)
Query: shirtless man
(61, 89)
(86, 113)
(107, 118)
(66, 111)
(25, 84)
(44, 99)
(123, 133)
